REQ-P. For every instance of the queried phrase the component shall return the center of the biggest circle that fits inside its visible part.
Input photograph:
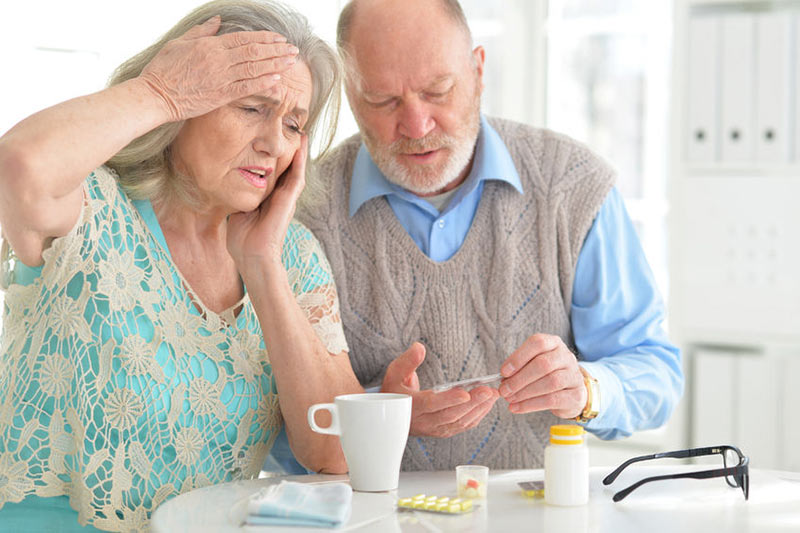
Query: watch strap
(591, 410)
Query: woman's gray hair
(144, 166)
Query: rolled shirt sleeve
(617, 321)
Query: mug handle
(333, 429)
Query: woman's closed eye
(250, 109)
(293, 126)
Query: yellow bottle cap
(566, 434)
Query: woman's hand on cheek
(256, 238)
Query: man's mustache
(433, 141)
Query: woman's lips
(254, 176)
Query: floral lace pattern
(115, 390)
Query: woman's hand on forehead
(200, 71)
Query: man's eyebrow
(298, 111)
(437, 81)
(434, 83)
(376, 95)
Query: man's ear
(478, 58)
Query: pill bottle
(566, 467)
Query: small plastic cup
(472, 481)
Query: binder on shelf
(791, 399)
(795, 114)
(715, 399)
(737, 85)
(703, 90)
(759, 427)
(773, 87)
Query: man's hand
(543, 374)
(442, 414)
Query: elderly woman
(164, 315)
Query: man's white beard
(426, 179)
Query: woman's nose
(269, 140)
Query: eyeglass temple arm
(679, 454)
(703, 474)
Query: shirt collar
(492, 161)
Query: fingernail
(507, 369)
(276, 77)
(279, 39)
(290, 60)
(294, 50)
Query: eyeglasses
(736, 475)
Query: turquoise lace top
(118, 388)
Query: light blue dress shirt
(617, 311)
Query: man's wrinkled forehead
(408, 19)
(401, 46)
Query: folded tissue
(301, 504)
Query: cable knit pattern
(512, 277)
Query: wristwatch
(592, 401)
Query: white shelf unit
(735, 225)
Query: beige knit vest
(511, 278)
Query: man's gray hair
(144, 166)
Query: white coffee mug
(373, 429)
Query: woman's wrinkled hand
(257, 236)
(200, 71)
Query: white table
(686, 505)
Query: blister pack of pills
(436, 504)
(532, 489)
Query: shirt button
(441, 222)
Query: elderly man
(499, 247)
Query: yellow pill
(454, 508)
(441, 506)
(430, 499)
(418, 504)
(466, 505)
(419, 497)
(455, 500)
(404, 502)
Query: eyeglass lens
(731, 458)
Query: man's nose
(416, 120)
